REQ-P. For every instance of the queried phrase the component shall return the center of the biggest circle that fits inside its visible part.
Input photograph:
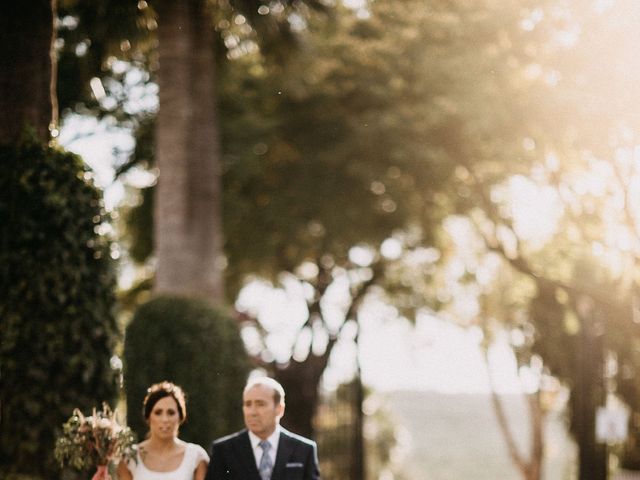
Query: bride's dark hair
(164, 389)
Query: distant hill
(456, 437)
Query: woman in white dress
(163, 456)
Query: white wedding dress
(193, 455)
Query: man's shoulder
(298, 438)
(231, 437)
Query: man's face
(261, 413)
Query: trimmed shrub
(187, 342)
(57, 326)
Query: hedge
(196, 346)
(57, 325)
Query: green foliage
(93, 34)
(139, 224)
(195, 346)
(339, 147)
(558, 340)
(57, 327)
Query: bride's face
(164, 419)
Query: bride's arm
(200, 471)
(123, 472)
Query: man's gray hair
(278, 391)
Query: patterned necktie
(266, 465)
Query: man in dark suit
(264, 450)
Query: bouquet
(97, 441)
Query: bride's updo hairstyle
(160, 390)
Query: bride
(163, 456)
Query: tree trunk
(536, 417)
(300, 381)
(27, 81)
(358, 463)
(589, 394)
(187, 213)
(530, 468)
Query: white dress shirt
(273, 439)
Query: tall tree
(342, 158)
(27, 84)
(187, 217)
(188, 225)
(574, 145)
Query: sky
(98, 142)
(432, 355)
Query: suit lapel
(244, 452)
(285, 449)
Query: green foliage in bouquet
(57, 327)
(195, 346)
(87, 442)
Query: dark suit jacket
(232, 458)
